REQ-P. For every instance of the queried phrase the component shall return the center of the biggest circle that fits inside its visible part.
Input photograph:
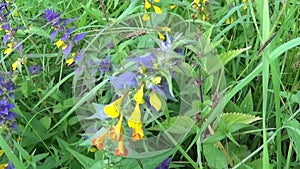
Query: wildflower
(204, 17)
(134, 120)
(157, 1)
(1, 153)
(10, 166)
(121, 149)
(9, 49)
(16, 64)
(157, 9)
(147, 4)
(116, 133)
(60, 43)
(155, 101)
(137, 134)
(161, 36)
(172, 6)
(229, 20)
(3, 166)
(146, 17)
(100, 141)
(165, 164)
(34, 69)
(113, 110)
(104, 65)
(156, 80)
(5, 113)
(245, 5)
(138, 97)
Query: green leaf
(46, 121)
(214, 157)
(85, 161)
(234, 118)
(227, 56)
(293, 128)
(247, 104)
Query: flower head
(5, 113)
(116, 133)
(34, 69)
(165, 164)
(113, 110)
(137, 134)
(121, 149)
(100, 141)
(134, 120)
(138, 97)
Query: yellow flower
(137, 134)
(17, 14)
(147, 4)
(15, 64)
(93, 149)
(157, 9)
(156, 80)
(9, 48)
(138, 97)
(134, 120)
(245, 7)
(204, 18)
(197, 1)
(172, 6)
(165, 28)
(146, 17)
(100, 141)
(116, 134)
(1, 153)
(64, 47)
(156, 1)
(155, 101)
(113, 109)
(161, 36)
(59, 43)
(70, 61)
(3, 166)
(121, 149)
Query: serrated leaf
(155, 101)
(227, 56)
(234, 118)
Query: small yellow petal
(1, 153)
(113, 109)
(7, 50)
(156, 1)
(3, 166)
(147, 4)
(137, 134)
(134, 120)
(197, 1)
(156, 80)
(146, 17)
(70, 61)
(17, 14)
(139, 96)
(157, 9)
(155, 101)
(64, 47)
(59, 43)
(116, 133)
(161, 36)
(203, 17)
(15, 64)
(93, 149)
(228, 21)
(172, 6)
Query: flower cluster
(165, 164)
(200, 8)
(6, 165)
(153, 4)
(9, 39)
(67, 41)
(7, 88)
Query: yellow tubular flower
(9, 48)
(15, 64)
(146, 17)
(161, 36)
(134, 120)
(100, 141)
(116, 133)
(113, 110)
(157, 9)
(138, 97)
(59, 43)
(70, 61)
(147, 4)
(203, 17)
(172, 6)
(3, 166)
(137, 134)
(121, 149)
